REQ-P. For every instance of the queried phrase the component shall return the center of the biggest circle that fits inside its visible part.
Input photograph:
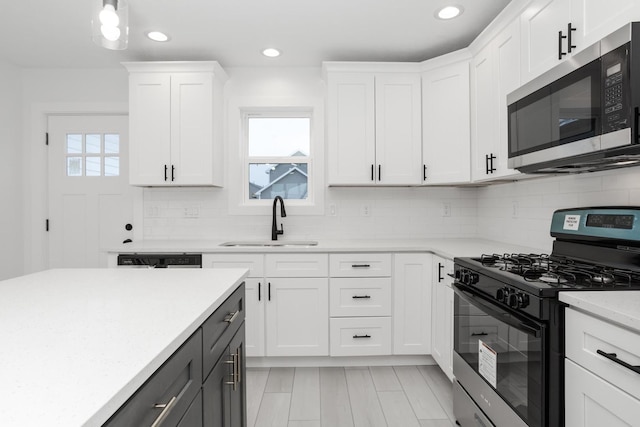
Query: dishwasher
(160, 260)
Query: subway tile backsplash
(517, 212)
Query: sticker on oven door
(571, 222)
(487, 362)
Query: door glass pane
(74, 166)
(287, 180)
(111, 166)
(111, 143)
(74, 143)
(279, 136)
(93, 166)
(93, 143)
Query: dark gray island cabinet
(202, 383)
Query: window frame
(239, 112)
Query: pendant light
(110, 23)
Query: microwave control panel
(615, 96)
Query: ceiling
(57, 34)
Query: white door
(90, 200)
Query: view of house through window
(278, 156)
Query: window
(278, 147)
(93, 154)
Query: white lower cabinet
(412, 304)
(360, 304)
(296, 317)
(442, 319)
(601, 386)
(287, 302)
(360, 336)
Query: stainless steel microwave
(582, 115)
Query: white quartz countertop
(447, 248)
(622, 307)
(75, 344)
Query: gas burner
(602, 279)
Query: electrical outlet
(332, 210)
(192, 212)
(446, 209)
(366, 210)
(515, 210)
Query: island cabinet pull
(362, 336)
(360, 265)
(234, 370)
(232, 316)
(361, 297)
(167, 407)
(614, 358)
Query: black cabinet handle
(488, 160)
(440, 267)
(269, 291)
(486, 164)
(259, 291)
(165, 172)
(560, 38)
(614, 358)
(570, 45)
(372, 178)
(361, 297)
(424, 172)
(379, 172)
(173, 173)
(361, 336)
(360, 265)
(479, 334)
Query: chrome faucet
(274, 227)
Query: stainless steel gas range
(509, 324)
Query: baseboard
(328, 361)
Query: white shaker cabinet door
(398, 129)
(351, 128)
(297, 313)
(597, 19)
(149, 128)
(412, 304)
(446, 147)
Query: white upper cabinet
(374, 126)
(445, 124)
(495, 71)
(175, 115)
(554, 30)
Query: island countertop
(75, 344)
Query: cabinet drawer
(296, 265)
(360, 336)
(585, 335)
(360, 265)
(360, 296)
(253, 262)
(178, 380)
(220, 327)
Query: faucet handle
(281, 231)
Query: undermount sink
(270, 243)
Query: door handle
(614, 358)
(173, 173)
(560, 52)
(570, 45)
(165, 172)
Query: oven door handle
(489, 307)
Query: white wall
(537, 199)
(11, 223)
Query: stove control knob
(513, 300)
(473, 278)
(523, 300)
(500, 294)
(465, 277)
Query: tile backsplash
(360, 213)
(517, 212)
(520, 212)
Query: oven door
(499, 353)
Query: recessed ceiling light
(157, 36)
(449, 12)
(271, 52)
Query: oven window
(516, 352)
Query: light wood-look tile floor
(402, 396)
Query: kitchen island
(76, 344)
